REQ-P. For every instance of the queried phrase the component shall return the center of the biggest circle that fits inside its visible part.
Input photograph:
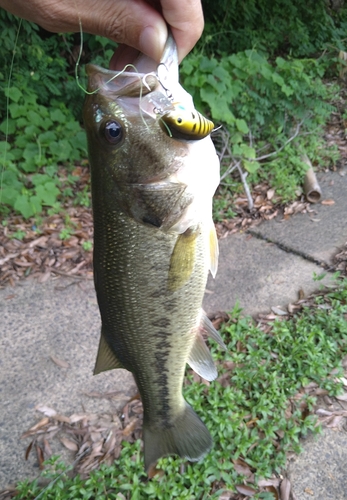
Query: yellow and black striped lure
(181, 123)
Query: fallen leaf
(342, 397)
(28, 450)
(245, 490)
(46, 410)
(40, 456)
(242, 468)
(75, 417)
(226, 495)
(60, 362)
(285, 489)
(279, 311)
(130, 427)
(44, 421)
(70, 445)
(270, 193)
(309, 491)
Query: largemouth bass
(154, 172)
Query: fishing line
(7, 108)
(142, 80)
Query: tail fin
(188, 437)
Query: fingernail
(152, 41)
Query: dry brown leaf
(270, 193)
(342, 397)
(28, 450)
(274, 491)
(47, 450)
(46, 410)
(335, 422)
(40, 456)
(44, 421)
(226, 495)
(285, 489)
(70, 445)
(60, 362)
(309, 491)
(75, 417)
(242, 468)
(130, 427)
(269, 482)
(279, 311)
(245, 490)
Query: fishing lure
(185, 124)
(180, 121)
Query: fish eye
(113, 132)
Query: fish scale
(154, 242)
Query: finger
(134, 23)
(187, 23)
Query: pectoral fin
(106, 359)
(182, 260)
(214, 251)
(200, 359)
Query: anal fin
(207, 326)
(200, 359)
(106, 359)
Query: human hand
(138, 24)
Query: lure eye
(113, 132)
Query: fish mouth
(140, 78)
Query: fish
(154, 243)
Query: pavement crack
(299, 253)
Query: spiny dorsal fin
(106, 359)
(200, 359)
(182, 260)
(214, 251)
(207, 326)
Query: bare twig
(296, 133)
(225, 152)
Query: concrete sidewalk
(265, 267)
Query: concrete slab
(319, 234)
(58, 318)
(259, 275)
(319, 473)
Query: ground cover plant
(256, 411)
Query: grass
(256, 411)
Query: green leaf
(8, 194)
(8, 126)
(34, 118)
(47, 137)
(57, 116)
(23, 206)
(251, 166)
(47, 193)
(242, 126)
(13, 93)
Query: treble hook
(160, 80)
